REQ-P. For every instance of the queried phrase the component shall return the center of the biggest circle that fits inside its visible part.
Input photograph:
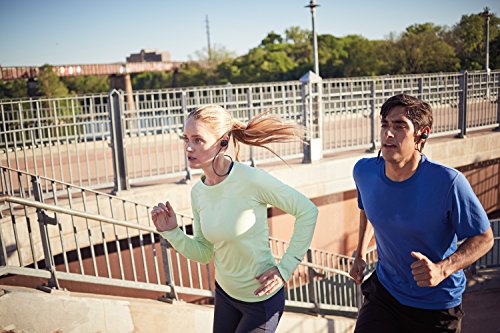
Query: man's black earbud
(224, 143)
(424, 136)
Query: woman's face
(201, 144)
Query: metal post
(312, 87)
(185, 113)
(372, 118)
(115, 100)
(421, 88)
(209, 48)
(130, 93)
(359, 297)
(487, 16)
(498, 105)
(43, 220)
(462, 106)
(167, 266)
(311, 286)
(250, 106)
(312, 5)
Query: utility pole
(487, 16)
(312, 5)
(208, 40)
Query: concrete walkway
(30, 310)
(481, 303)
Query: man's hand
(425, 272)
(357, 271)
(270, 281)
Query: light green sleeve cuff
(287, 266)
(174, 236)
(196, 248)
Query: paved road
(481, 303)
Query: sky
(57, 32)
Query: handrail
(324, 268)
(68, 211)
(73, 212)
(81, 188)
(69, 184)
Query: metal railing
(102, 140)
(63, 236)
(69, 233)
(492, 258)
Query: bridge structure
(31, 72)
(119, 73)
(61, 158)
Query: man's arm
(364, 236)
(429, 274)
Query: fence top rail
(68, 211)
(50, 99)
(343, 256)
(80, 188)
(249, 85)
(323, 268)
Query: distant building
(149, 55)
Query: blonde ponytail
(264, 129)
(261, 130)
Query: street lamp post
(312, 5)
(487, 16)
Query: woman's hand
(270, 281)
(164, 217)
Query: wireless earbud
(424, 136)
(224, 143)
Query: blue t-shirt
(426, 213)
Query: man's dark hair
(419, 112)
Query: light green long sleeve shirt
(230, 225)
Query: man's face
(397, 135)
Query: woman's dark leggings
(234, 316)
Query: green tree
(272, 38)
(151, 80)
(468, 39)
(49, 84)
(422, 49)
(218, 55)
(86, 84)
(13, 89)
(360, 57)
(495, 53)
(268, 62)
(331, 54)
(299, 49)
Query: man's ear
(423, 134)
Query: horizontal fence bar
(63, 210)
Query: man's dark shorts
(381, 312)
